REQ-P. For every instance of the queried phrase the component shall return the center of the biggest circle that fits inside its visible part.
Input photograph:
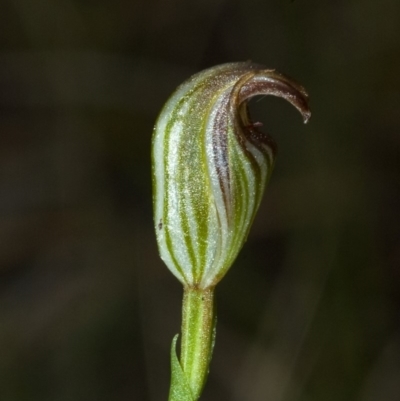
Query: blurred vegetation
(310, 310)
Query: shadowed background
(309, 311)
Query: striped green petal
(210, 167)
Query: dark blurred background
(309, 311)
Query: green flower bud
(210, 168)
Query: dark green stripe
(242, 193)
(168, 243)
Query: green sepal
(180, 388)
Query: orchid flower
(211, 164)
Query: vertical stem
(198, 332)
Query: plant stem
(198, 334)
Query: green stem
(198, 334)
